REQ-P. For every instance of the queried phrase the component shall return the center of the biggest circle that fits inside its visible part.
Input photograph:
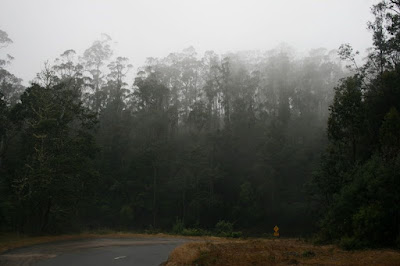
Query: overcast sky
(43, 29)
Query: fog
(43, 29)
(221, 118)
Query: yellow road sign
(276, 229)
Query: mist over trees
(254, 138)
(358, 182)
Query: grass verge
(275, 252)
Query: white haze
(43, 29)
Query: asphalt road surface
(94, 252)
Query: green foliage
(195, 139)
(56, 152)
(126, 215)
(389, 134)
(210, 139)
(178, 227)
(195, 232)
(358, 180)
(223, 227)
(152, 230)
(366, 222)
(351, 243)
(236, 234)
(363, 209)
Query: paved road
(96, 252)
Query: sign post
(276, 231)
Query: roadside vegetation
(275, 252)
(222, 229)
(210, 145)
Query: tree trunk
(45, 219)
(154, 195)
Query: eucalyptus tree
(57, 149)
(94, 58)
(10, 91)
(362, 159)
(10, 85)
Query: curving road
(94, 252)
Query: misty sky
(43, 29)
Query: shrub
(236, 234)
(351, 243)
(194, 232)
(366, 223)
(152, 230)
(178, 226)
(223, 228)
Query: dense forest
(251, 138)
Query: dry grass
(275, 252)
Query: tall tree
(57, 150)
(358, 177)
(95, 58)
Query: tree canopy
(248, 140)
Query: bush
(195, 232)
(363, 210)
(178, 226)
(152, 230)
(126, 215)
(366, 223)
(223, 228)
(236, 234)
(351, 243)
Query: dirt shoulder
(275, 252)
